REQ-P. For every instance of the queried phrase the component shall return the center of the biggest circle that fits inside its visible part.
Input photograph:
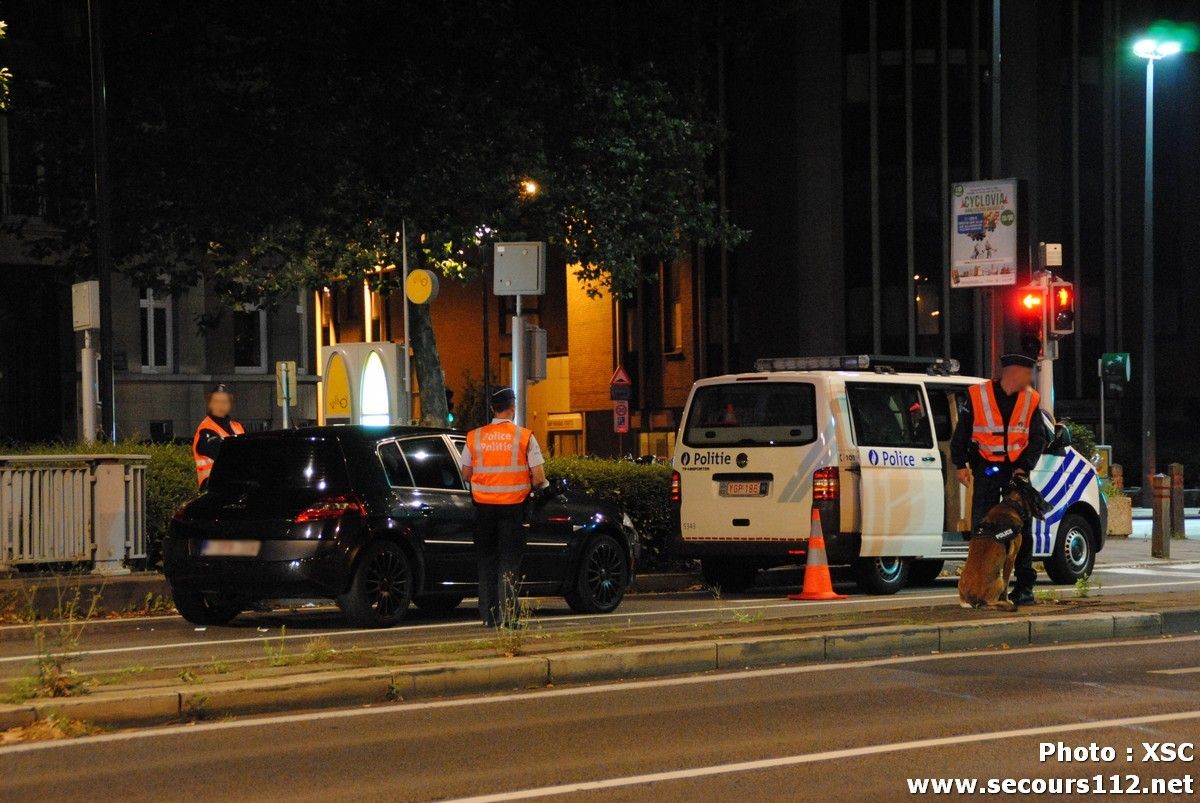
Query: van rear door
(901, 492)
(748, 450)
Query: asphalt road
(169, 641)
(854, 731)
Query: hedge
(642, 491)
(170, 479)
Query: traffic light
(1062, 314)
(449, 407)
(1031, 311)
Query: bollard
(1160, 513)
(1175, 472)
(1117, 475)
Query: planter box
(1120, 516)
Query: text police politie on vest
(892, 458)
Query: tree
(276, 146)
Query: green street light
(1150, 48)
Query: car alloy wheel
(602, 576)
(386, 582)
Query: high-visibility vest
(204, 464)
(499, 463)
(998, 442)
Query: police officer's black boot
(1022, 596)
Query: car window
(431, 464)
(752, 414)
(889, 415)
(282, 461)
(394, 465)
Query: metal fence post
(110, 504)
(1175, 472)
(1160, 512)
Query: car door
(443, 504)
(901, 490)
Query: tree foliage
(279, 145)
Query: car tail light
(676, 490)
(826, 485)
(335, 507)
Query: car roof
(351, 432)
(855, 376)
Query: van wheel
(204, 609)
(882, 575)
(925, 572)
(381, 589)
(728, 574)
(1074, 552)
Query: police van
(866, 445)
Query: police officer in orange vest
(1000, 434)
(503, 463)
(216, 427)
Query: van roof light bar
(880, 363)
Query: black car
(375, 518)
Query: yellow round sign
(421, 287)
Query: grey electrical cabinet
(520, 269)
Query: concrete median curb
(375, 685)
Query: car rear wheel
(728, 574)
(200, 608)
(1074, 552)
(441, 603)
(882, 575)
(601, 578)
(381, 589)
(925, 572)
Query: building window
(249, 340)
(672, 309)
(157, 344)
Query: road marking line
(1189, 670)
(826, 755)
(401, 630)
(572, 691)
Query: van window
(752, 414)
(889, 415)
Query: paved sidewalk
(1136, 549)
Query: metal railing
(72, 509)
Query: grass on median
(52, 726)
(52, 674)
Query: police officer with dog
(1000, 435)
(504, 465)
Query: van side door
(901, 490)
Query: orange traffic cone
(817, 583)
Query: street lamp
(1151, 49)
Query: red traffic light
(1062, 322)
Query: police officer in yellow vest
(503, 463)
(216, 427)
(1000, 434)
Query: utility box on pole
(85, 316)
(519, 269)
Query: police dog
(994, 545)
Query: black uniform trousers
(985, 495)
(499, 547)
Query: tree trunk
(430, 376)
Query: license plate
(231, 549)
(743, 489)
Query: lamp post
(1151, 50)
